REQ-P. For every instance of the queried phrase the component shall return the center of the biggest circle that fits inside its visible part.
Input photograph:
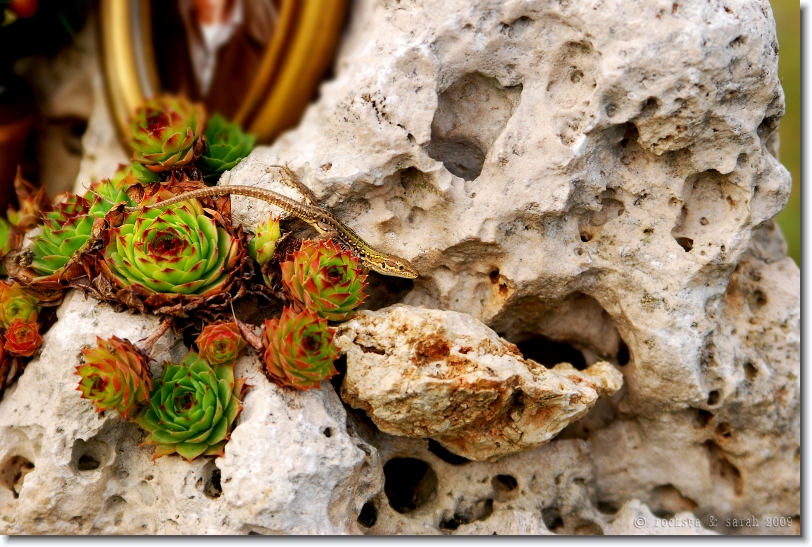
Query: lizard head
(390, 265)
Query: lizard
(322, 220)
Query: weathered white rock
(598, 173)
(445, 375)
(290, 466)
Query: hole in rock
(13, 472)
(409, 484)
(703, 417)
(607, 507)
(504, 487)
(575, 329)
(470, 115)
(87, 463)
(368, 516)
(750, 371)
(504, 483)
(444, 454)
(724, 430)
(552, 519)
(588, 529)
(328, 432)
(686, 243)
(757, 300)
(722, 467)
(585, 237)
(383, 291)
(630, 135)
(494, 276)
(91, 455)
(212, 488)
(623, 355)
(713, 397)
(549, 353)
(481, 510)
(665, 501)
(341, 367)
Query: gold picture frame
(293, 63)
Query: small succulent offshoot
(166, 131)
(192, 408)
(220, 343)
(114, 375)
(324, 278)
(227, 145)
(299, 349)
(22, 338)
(17, 305)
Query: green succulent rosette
(192, 408)
(324, 278)
(9, 238)
(220, 344)
(299, 349)
(16, 304)
(227, 145)
(133, 173)
(114, 375)
(175, 251)
(166, 131)
(104, 195)
(65, 231)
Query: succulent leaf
(166, 132)
(22, 338)
(133, 173)
(227, 146)
(177, 251)
(104, 195)
(324, 278)
(192, 408)
(220, 344)
(17, 305)
(299, 349)
(114, 375)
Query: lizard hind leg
(290, 179)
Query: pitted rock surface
(595, 181)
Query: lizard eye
(383, 265)
(400, 267)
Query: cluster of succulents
(20, 317)
(186, 262)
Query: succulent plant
(192, 408)
(324, 278)
(263, 245)
(9, 239)
(22, 338)
(220, 343)
(176, 251)
(166, 133)
(299, 349)
(65, 230)
(227, 146)
(17, 305)
(104, 195)
(114, 375)
(133, 173)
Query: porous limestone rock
(445, 375)
(290, 466)
(593, 177)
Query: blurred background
(788, 23)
